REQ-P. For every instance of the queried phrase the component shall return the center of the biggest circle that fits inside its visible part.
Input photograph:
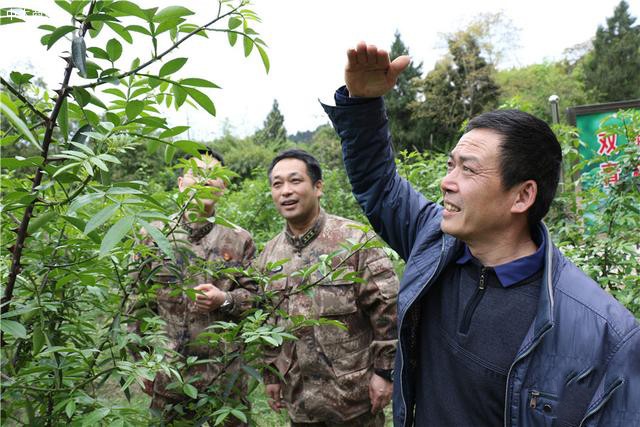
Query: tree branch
(37, 179)
(24, 100)
(159, 57)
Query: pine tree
(273, 132)
(612, 69)
(405, 128)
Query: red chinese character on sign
(638, 140)
(611, 173)
(636, 171)
(608, 143)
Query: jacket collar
(300, 242)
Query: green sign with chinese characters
(589, 119)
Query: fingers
(352, 58)
(397, 66)
(361, 53)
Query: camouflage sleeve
(377, 296)
(244, 293)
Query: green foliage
(74, 197)
(407, 130)
(529, 88)
(596, 225)
(612, 68)
(244, 156)
(461, 86)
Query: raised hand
(369, 73)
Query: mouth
(451, 207)
(288, 203)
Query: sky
(307, 42)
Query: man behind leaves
(331, 377)
(201, 248)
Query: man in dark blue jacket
(496, 326)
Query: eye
(276, 184)
(450, 165)
(466, 169)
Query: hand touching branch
(369, 72)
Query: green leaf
(101, 217)
(160, 239)
(198, 82)
(100, 17)
(265, 58)
(63, 120)
(121, 31)
(115, 234)
(138, 29)
(171, 12)
(41, 220)
(13, 328)
(98, 52)
(234, 23)
(70, 409)
(96, 101)
(81, 95)
(50, 39)
(134, 108)
(190, 391)
(128, 8)
(180, 95)
(114, 49)
(239, 415)
(19, 78)
(115, 92)
(79, 54)
(37, 340)
(173, 132)
(172, 66)
(201, 99)
(233, 38)
(248, 45)
(18, 124)
(169, 152)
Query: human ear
(319, 186)
(525, 196)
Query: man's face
(295, 196)
(190, 179)
(476, 206)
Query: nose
(448, 183)
(286, 189)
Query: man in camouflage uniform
(201, 249)
(330, 376)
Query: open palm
(369, 72)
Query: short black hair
(313, 166)
(529, 150)
(210, 152)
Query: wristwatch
(386, 374)
(227, 304)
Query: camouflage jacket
(327, 370)
(198, 261)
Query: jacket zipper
(546, 328)
(474, 302)
(404, 402)
(604, 400)
(534, 395)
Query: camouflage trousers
(364, 420)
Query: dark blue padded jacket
(580, 333)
